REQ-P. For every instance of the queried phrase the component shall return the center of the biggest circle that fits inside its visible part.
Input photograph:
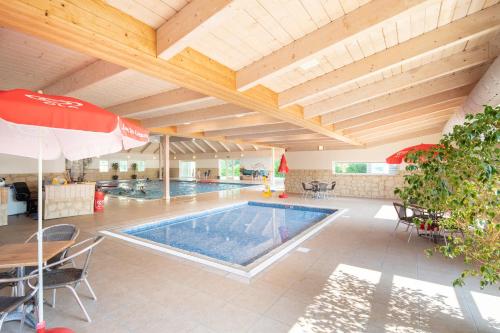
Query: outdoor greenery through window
(123, 166)
(187, 169)
(103, 166)
(276, 167)
(370, 168)
(229, 169)
(141, 166)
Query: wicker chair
(10, 304)
(55, 276)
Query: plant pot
(133, 176)
(114, 177)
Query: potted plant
(115, 166)
(460, 178)
(134, 169)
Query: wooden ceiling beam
(403, 121)
(298, 137)
(95, 72)
(203, 150)
(171, 98)
(176, 146)
(280, 127)
(422, 74)
(391, 138)
(224, 146)
(420, 91)
(146, 146)
(436, 102)
(193, 20)
(322, 40)
(474, 25)
(199, 115)
(402, 130)
(210, 145)
(207, 126)
(268, 134)
(102, 31)
(187, 146)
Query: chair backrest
(332, 186)
(81, 250)
(323, 186)
(306, 187)
(21, 191)
(58, 232)
(400, 210)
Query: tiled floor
(356, 277)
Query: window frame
(101, 166)
(390, 171)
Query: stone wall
(31, 179)
(364, 186)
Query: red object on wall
(283, 168)
(98, 201)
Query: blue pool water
(153, 189)
(239, 234)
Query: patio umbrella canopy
(47, 127)
(399, 157)
(283, 168)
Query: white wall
(10, 164)
(317, 160)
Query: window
(364, 168)
(229, 169)
(103, 166)
(123, 166)
(141, 166)
(187, 169)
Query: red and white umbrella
(400, 156)
(47, 127)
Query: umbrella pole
(41, 323)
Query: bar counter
(68, 200)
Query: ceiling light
(188, 123)
(309, 64)
(194, 157)
(193, 139)
(239, 115)
(154, 157)
(215, 156)
(242, 155)
(175, 157)
(128, 156)
(320, 147)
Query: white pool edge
(259, 267)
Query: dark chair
(403, 218)
(308, 188)
(10, 304)
(71, 277)
(331, 188)
(23, 193)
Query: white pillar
(165, 147)
(271, 175)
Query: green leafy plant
(460, 177)
(134, 167)
(115, 166)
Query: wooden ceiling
(295, 74)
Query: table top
(25, 254)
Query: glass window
(103, 166)
(364, 168)
(123, 166)
(141, 166)
(229, 169)
(187, 169)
